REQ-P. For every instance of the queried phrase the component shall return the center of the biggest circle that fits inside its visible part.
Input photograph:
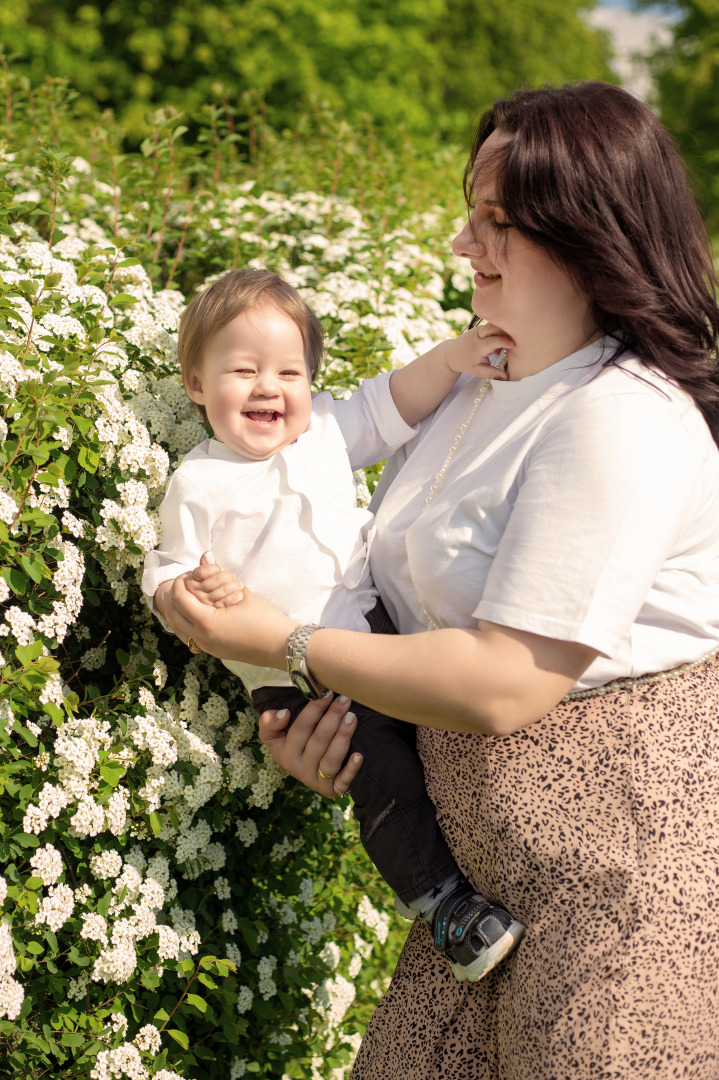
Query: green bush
(422, 68)
(170, 904)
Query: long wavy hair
(592, 177)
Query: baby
(272, 498)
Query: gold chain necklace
(462, 431)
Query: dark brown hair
(592, 177)
(235, 292)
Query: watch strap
(297, 668)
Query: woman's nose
(467, 244)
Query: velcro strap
(462, 906)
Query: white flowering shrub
(170, 904)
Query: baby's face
(254, 383)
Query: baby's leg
(399, 831)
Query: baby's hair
(235, 292)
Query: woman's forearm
(493, 680)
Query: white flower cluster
(333, 998)
(124, 1060)
(107, 864)
(47, 864)
(12, 994)
(374, 919)
(55, 908)
(67, 579)
(190, 755)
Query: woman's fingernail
(327, 694)
(350, 718)
(356, 759)
(282, 714)
(343, 699)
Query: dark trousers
(397, 819)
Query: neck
(531, 358)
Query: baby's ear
(193, 386)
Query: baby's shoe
(474, 934)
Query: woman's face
(517, 286)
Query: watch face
(303, 685)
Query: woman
(556, 587)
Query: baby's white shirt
(288, 527)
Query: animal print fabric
(598, 828)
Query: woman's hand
(253, 631)
(316, 744)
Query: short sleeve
(371, 425)
(600, 503)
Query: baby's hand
(470, 352)
(214, 586)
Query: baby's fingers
(219, 587)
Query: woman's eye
(500, 225)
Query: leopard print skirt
(598, 828)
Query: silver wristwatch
(297, 644)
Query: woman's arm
(491, 679)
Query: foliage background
(687, 77)
(170, 903)
(425, 68)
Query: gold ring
(193, 646)
(324, 775)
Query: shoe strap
(463, 907)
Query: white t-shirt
(289, 527)
(582, 504)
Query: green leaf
(27, 653)
(34, 883)
(197, 1001)
(34, 568)
(72, 1038)
(78, 958)
(155, 822)
(112, 773)
(26, 839)
(88, 459)
(15, 579)
(34, 947)
(207, 981)
(23, 731)
(179, 1037)
(123, 300)
(161, 1016)
(55, 713)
